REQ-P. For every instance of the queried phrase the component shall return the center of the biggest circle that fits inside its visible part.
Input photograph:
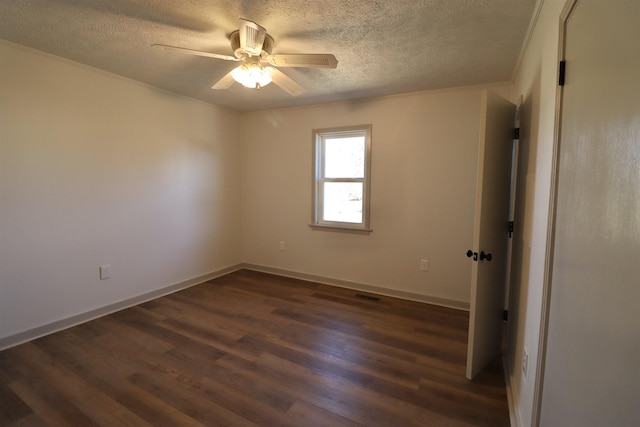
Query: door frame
(567, 10)
(515, 156)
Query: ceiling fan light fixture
(252, 47)
(251, 75)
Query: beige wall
(424, 155)
(96, 169)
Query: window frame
(319, 136)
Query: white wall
(424, 159)
(591, 372)
(97, 169)
(536, 80)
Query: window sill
(338, 229)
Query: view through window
(341, 177)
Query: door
(591, 375)
(489, 252)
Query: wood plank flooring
(252, 349)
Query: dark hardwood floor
(253, 349)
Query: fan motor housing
(234, 37)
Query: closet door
(591, 373)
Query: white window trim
(317, 182)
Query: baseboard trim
(513, 414)
(59, 325)
(443, 302)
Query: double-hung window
(341, 179)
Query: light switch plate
(105, 272)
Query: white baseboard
(514, 419)
(59, 325)
(444, 302)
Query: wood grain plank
(35, 391)
(193, 401)
(12, 408)
(31, 420)
(250, 349)
(105, 372)
(90, 400)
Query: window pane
(343, 202)
(344, 157)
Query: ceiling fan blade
(225, 82)
(251, 37)
(285, 82)
(194, 52)
(314, 60)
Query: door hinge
(505, 315)
(561, 72)
(516, 133)
(510, 229)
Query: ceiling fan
(252, 47)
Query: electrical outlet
(424, 264)
(282, 246)
(525, 362)
(105, 272)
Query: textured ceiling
(383, 47)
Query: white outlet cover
(105, 272)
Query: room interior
(113, 153)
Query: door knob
(484, 256)
(470, 254)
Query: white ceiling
(383, 47)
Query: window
(341, 179)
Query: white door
(489, 252)
(591, 373)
